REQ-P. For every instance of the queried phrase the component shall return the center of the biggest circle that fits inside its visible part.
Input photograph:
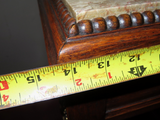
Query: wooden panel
(137, 97)
(93, 44)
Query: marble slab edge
(99, 24)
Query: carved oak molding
(100, 24)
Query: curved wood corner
(67, 20)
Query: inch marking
(83, 86)
(91, 82)
(53, 73)
(19, 75)
(116, 78)
(37, 79)
(121, 59)
(73, 77)
(106, 70)
(87, 86)
(24, 75)
(89, 65)
(123, 74)
(15, 78)
(2, 78)
(100, 82)
(150, 52)
(20, 96)
(6, 77)
(151, 66)
(48, 69)
(43, 71)
(80, 64)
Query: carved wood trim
(66, 19)
(106, 37)
(100, 24)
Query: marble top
(89, 9)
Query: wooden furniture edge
(50, 47)
(100, 24)
(98, 44)
(135, 107)
(112, 43)
(54, 28)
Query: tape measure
(65, 79)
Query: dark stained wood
(57, 2)
(124, 21)
(99, 25)
(131, 110)
(50, 47)
(56, 28)
(66, 40)
(112, 23)
(142, 98)
(109, 42)
(66, 18)
(69, 23)
(64, 13)
(61, 7)
(148, 17)
(137, 19)
(87, 111)
(85, 27)
(73, 30)
(157, 15)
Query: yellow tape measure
(60, 80)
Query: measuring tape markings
(55, 81)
